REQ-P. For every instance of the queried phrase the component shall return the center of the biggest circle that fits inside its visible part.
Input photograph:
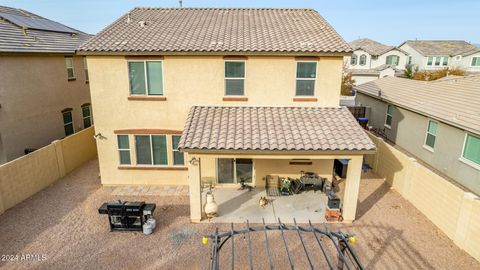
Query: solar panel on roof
(36, 23)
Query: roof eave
(169, 53)
(278, 152)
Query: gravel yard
(62, 224)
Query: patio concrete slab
(238, 206)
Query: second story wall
(200, 80)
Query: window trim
(471, 62)
(425, 145)
(64, 124)
(386, 116)
(72, 67)
(465, 160)
(89, 116)
(144, 61)
(225, 78)
(124, 149)
(176, 150)
(308, 79)
(151, 150)
(360, 60)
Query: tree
(347, 84)
(409, 72)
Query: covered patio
(230, 145)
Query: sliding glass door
(231, 171)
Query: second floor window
(85, 68)
(68, 122)
(146, 78)
(70, 72)
(87, 116)
(234, 78)
(353, 60)
(476, 61)
(151, 149)
(306, 76)
(392, 60)
(363, 60)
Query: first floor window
(445, 61)
(68, 122)
(177, 155)
(471, 150)
(151, 149)
(124, 149)
(145, 77)
(234, 78)
(70, 73)
(389, 116)
(363, 60)
(353, 60)
(476, 61)
(306, 76)
(431, 134)
(430, 61)
(87, 116)
(392, 60)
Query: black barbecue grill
(127, 216)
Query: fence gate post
(60, 161)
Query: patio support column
(352, 185)
(194, 188)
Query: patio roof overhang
(274, 132)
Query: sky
(389, 22)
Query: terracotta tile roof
(14, 39)
(455, 100)
(442, 47)
(273, 129)
(218, 30)
(370, 46)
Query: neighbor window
(409, 59)
(430, 61)
(437, 61)
(431, 134)
(363, 60)
(471, 150)
(85, 68)
(151, 149)
(68, 122)
(70, 73)
(146, 78)
(392, 60)
(87, 116)
(234, 78)
(476, 61)
(445, 61)
(306, 76)
(177, 155)
(353, 60)
(124, 149)
(389, 116)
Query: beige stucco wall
(455, 211)
(33, 91)
(25, 176)
(189, 81)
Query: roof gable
(219, 30)
(370, 46)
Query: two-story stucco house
(182, 95)
(372, 60)
(438, 122)
(438, 54)
(44, 91)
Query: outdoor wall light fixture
(194, 161)
(99, 136)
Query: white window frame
(151, 150)
(235, 78)
(360, 60)
(145, 78)
(464, 160)
(85, 69)
(471, 62)
(354, 56)
(433, 61)
(308, 79)
(90, 116)
(72, 68)
(73, 122)
(392, 56)
(176, 150)
(124, 149)
(428, 147)
(386, 116)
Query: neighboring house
(438, 122)
(372, 60)
(183, 96)
(44, 93)
(438, 54)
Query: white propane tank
(152, 221)
(147, 228)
